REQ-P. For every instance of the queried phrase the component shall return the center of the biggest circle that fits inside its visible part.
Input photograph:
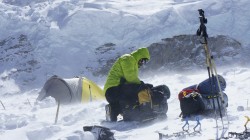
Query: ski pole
(211, 79)
(212, 90)
(218, 82)
(209, 60)
(202, 31)
(218, 103)
(213, 83)
(220, 91)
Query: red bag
(186, 92)
(190, 102)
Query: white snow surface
(26, 119)
(65, 34)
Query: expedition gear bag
(151, 104)
(205, 88)
(190, 102)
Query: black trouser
(127, 94)
(122, 93)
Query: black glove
(157, 96)
(145, 86)
(142, 83)
(149, 85)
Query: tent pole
(90, 94)
(29, 102)
(57, 111)
(2, 105)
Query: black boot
(111, 112)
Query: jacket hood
(141, 53)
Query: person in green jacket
(123, 82)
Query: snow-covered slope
(64, 35)
(73, 37)
(17, 56)
(26, 119)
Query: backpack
(190, 102)
(151, 104)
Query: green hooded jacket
(126, 67)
